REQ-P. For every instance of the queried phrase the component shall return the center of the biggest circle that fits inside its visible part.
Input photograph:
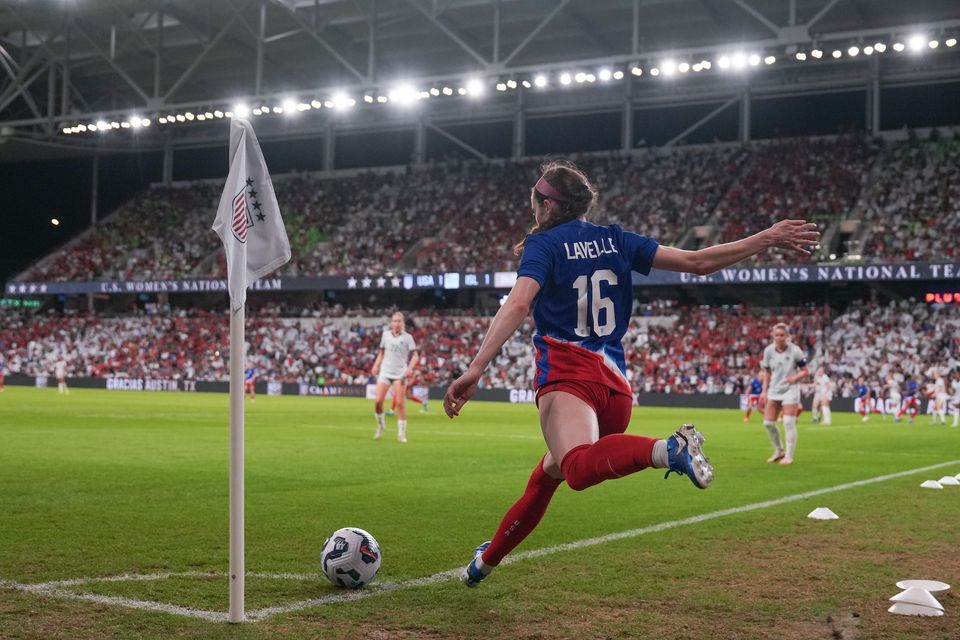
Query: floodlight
(817, 53)
(654, 72)
(124, 124)
(540, 80)
(526, 84)
(604, 74)
(637, 71)
(511, 84)
(591, 77)
(801, 56)
(879, 47)
(867, 50)
(501, 86)
(915, 42)
(447, 91)
(853, 51)
(145, 122)
(837, 53)
(580, 77)
(564, 78)
(102, 126)
(67, 131)
(723, 62)
(241, 110)
(135, 121)
(461, 91)
(668, 67)
(618, 75)
(201, 117)
(706, 64)
(218, 113)
(754, 60)
(162, 120)
(114, 125)
(951, 42)
(683, 67)
(933, 44)
(739, 60)
(769, 60)
(898, 47)
(189, 116)
(474, 87)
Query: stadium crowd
(468, 215)
(669, 348)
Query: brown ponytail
(578, 193)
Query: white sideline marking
(56, 588)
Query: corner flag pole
(237, 359)
(255, 243)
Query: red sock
(415, 399)
(522, 518)
(393, 403)
(610, 457)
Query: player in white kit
(822, 396)
(940, 398)
(894, 398)
(955, 387)
(783, 367)
(395, 364)
(60, 371)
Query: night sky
(33, 193)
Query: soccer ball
(350, 557)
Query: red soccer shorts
(612, 407)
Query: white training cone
(823, 513)
(957, 476)
(931, 484)
(905, 609)
(933, 586)
(945, 480)
(919, 597)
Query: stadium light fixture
(879, 47)
(950, 42)
(54, 222)
(461, 91)
(591, 77)
(853, 51)
(817, 53)
(501, 86)
(209, 115)
(343, 101)
(257, 111)
(769, 60)
(67, 131)
(899, 47)
(135, 121)
(511, 84)
(618, 75)
(162, 119)
(201, 117)
(754, 60)
(434, 91)
(565, 79)
(404, 94)
(636, 70)
(540, 80)
(368, 98)
(668, 67)
(801, 56)
(739, 60)
(145, 122)
(868, 50)
(723, 62)
(218, 114)
(124, 124)
(654, 72)
(683, 67)
(189, 116)
(114, 125)
(837, 53)
(102, 126)
(241, 110)
(474, 87)
(605, 74)
(916, 42)
(933, 44)
(706, 64)
(526, 84)
(447, 91)
(697, 67)
(580, 77)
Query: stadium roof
(74, 61)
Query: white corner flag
(249, 224)
(248, 219)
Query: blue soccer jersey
(862, 390)
(756, 387)
(911, 389)
(250, 375)
(583, 308)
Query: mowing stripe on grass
(55, 588)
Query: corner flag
(249, 224)
(248, 219)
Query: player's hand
(763, 399)
(375, 371)
(797, 235)
(459, 392)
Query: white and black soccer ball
(350, 558)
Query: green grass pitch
(99, 484)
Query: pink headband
(544, 188)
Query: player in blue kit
(249, 381)
(577, 276)
(863, 394)
(910, 401)
(753, 397)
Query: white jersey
(823, 386)
(782, 365)
(396, 354)
(60, 369)
(940, 389)
(955, 387)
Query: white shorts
(389, 380)
(792, 396)
(822, 397)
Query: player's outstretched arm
(504, 325)
(797, 235)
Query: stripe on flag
(240, 216)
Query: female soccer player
(577, 276)
(822, 397)
(784, 366)
(392, 370)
